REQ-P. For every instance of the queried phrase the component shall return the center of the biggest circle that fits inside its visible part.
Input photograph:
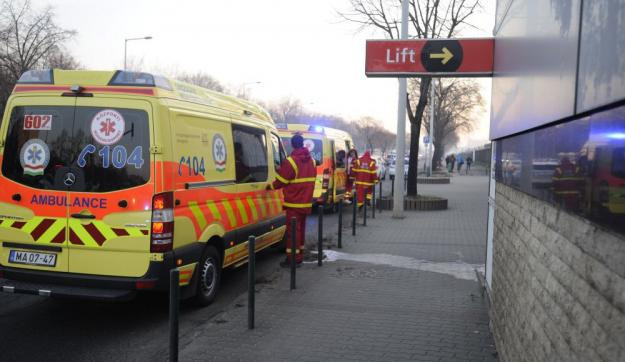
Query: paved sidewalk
(400, 290)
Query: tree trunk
(413, 167)
(439, 150)
(415, 134)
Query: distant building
(556, 233)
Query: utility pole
(398, 198)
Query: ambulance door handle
(83, 216)
(16, 197)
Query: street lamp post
(126, 46)
(398, 198)
(244, 87)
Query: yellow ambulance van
(329, 148)
(110, 179)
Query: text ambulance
(110, 179)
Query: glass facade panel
(578, 165)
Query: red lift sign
(430, 57)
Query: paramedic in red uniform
(366, 176)
(352, 157)
(297, 176)
(568, 184)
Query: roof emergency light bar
(317, 129)
(139, 79)
(44, 76)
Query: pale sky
(298, 48)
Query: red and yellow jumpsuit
(366, 177)
(352, 157)
(568, 184)
(297, 176)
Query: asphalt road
(34, 328)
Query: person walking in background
(453, 162)
(448, 163)
(460, 161)
(469, 162)
(297, 176)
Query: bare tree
(457, 101)
(367, 127)
(286, 111)
(27, 37)
(385, 141)
(60, 58)
(202, 79)
(372, 135)
(428, 19)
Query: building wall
(556, 264)
(535, 64)
(602, 50)
(558, 284)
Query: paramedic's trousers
(300, 233)
(362, 190)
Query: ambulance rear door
(33, 195)
(109, 201)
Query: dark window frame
(249, 172)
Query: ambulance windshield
(315, 146)
(84, 149)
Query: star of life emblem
(220, 154)
(34, 157)
(107, 127)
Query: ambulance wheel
(209, 274)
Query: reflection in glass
(578, 166)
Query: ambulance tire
(209, 275)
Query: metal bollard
(380, 197)
(340, 234)
(405, 183)
(174, 311)
(320, 235)
(364, 216)
(251, 280)
(373, 203)
(392, 188)
(355, 202)
(293, 246)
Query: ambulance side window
(277, 151)
(250, 154)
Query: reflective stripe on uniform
(566, 192)
(364, 183)
(294, 205)
(282, 179)
(303, 180)
(292, 162)
(567, 178)
(297, 251)
(365, 170)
